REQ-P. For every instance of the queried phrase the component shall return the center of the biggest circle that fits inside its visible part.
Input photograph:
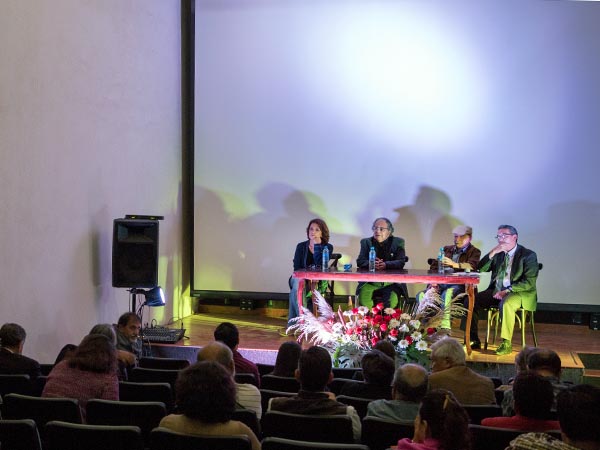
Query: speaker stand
(133, 298)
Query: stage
(261, 336)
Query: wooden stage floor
(260, 337)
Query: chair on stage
(131, 391)
(379, 434)
(19, 434)
(521, 315)
(76, 436)
(274, 443)
(275, 383)
(331, 428)
(478, 412)
(267, 394)
(144, 375)
(145, 415)
(163, 438)
(163, 363)
(359, 404)
(401, 291)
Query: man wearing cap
(462, 256)
(513, 284)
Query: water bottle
(372, 256)
(325, 264)
(441, 260)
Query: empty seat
(163, 363)
(337, 428)
(274, 443)
(275, 383)
(19, 434)
(76, 436)
(165, 439)
(246, 378)
(267, 394)
(265, 369)
(143, 375)
(379, 434)
(478, 412)
(131, 391)
(490, 438)
(337, 384)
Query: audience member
(546, 363)
(461, 256)
(128, 332)
(246, 395)
(441, 424)
(579, 418)
(205, 396)
(125, 358)
(449, 371)
(90, 373)
(512, 285)
(384, 346)
(66, 352)
(408, 389)
(12, 360)
(308, 253)
(533, 399)
(228, 334)
(378, 371)
(286, 362)
(520, 367)
(314, 374)
(390, 256)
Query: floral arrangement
(348, 334)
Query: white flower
(416, 336)
(405, 316)
(421, 345)
(363, 310)
(394, 323)
(337, 327)
(348, 313)
(392, 338)
(403, 343)
(403, 328)
(415, 323)
(389, 311)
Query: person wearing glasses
(514, 271)
(390, 256)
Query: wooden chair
(359, 404)
(274, 443)
(131, 391)
(145, 415)
(478, 412)
(267, 394)
(247, 417)
(275, 383)
(76, 436)
(379, 434)
(301, 427)
(19, 435)
(165, 439)
(144, 375)
(149, 362)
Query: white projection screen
(432, 113)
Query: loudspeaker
(135, 253)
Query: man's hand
(448, 262)
(379, 264)
(501, 247)
(501, 294)
(127, 358)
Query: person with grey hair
(408, 389)
(247, 395)
(449, 371)
(12, 360)
(512, 286)
(390, 255)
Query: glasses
(379, 229)
(503, 235)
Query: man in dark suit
(514, 273)
(390, 256)
(12, 339)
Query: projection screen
(431, 113)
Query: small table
(396, 276)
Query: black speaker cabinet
(135, 253)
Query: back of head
(217, 352)
(544, 360)
(386, 347)
(12, 335)
(521, 358)
(450, 350)
(533, 395)
(105, 329)
(96, 353)
(410, 383)
(315, 369)
(287, 359)
(378, 368)
(205, 391)
(579, 415)
(228, 334)
(447, 421)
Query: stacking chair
(163, 363)
(359, 404)
(165, 439)
(19, 435)
(144, 375)
(274, 443)
(333, 428)
(75, 436)
(379, 434)
(275, 383)
(267, 394)
(478, 412)
(145, 415)
(131, 391)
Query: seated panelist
(390, 256)
(309, 253)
